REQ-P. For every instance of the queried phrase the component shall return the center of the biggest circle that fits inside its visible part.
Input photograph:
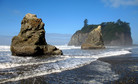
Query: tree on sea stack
(85, 23)
(31, 39)
(94, 40)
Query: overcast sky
(67, 16)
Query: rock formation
(117, 34)
(78, 38)
(31, 39)
(114, 34)
(94, 40)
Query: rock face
(114, 34)
(31, 39)
(124, 39)
(94, 40)
(78, 38)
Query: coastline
(121, 69)
(126, 66)
(118, 69)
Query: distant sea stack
(114, 34)
(31, 39)
(94, 40)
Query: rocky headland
(31, 39)
(114, 34)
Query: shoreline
(122, 69)
(107, 70)
(126, 66)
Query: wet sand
(110, 70)
(126, 66)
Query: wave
(4, 48)
(28, 63)
(107, 54)
(66, 47)
(59, 64)
(113, 53)
(54, 67)
(62, 47)
(19, 60)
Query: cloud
(118, 3)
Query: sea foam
(53, 65)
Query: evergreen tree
(119, 22)
(85, 23)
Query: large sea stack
(94, 40)
(114, 34)
(31, 39)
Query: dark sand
(126, 66)
(109, 70)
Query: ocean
(14, 69)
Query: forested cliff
(114, 33)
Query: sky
(67, 16)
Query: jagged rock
(94, 40)
(31, 39)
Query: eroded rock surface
(31, 39)
(94, 40)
